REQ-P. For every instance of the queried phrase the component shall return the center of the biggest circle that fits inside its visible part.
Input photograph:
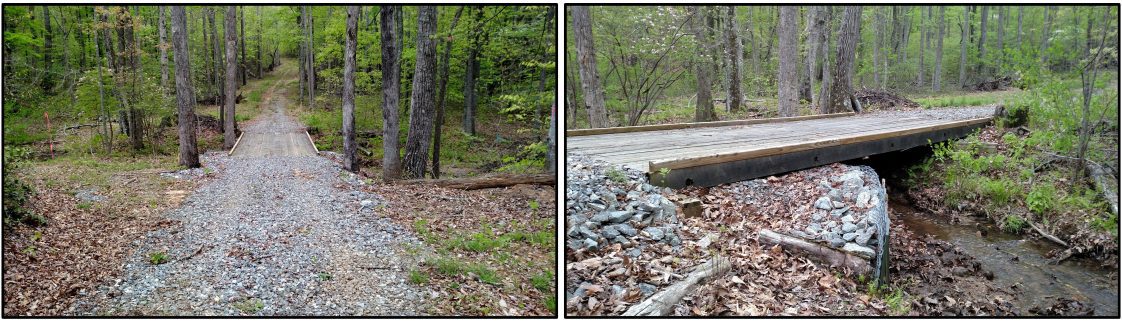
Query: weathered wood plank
(643, 128)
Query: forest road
(275, 230)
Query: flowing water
(1018, 261)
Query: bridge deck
(709, 156)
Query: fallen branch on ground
(1047, 235)
(817, 252)
(662, 303)
(490, 181)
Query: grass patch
(157, 258)
(249, 306)
(418, 277)
(542, 281)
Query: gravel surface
(273, 235)
(945, 113)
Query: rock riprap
(606, 205)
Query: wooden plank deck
(708, 156)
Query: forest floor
(273, 235)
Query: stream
(1017, 261)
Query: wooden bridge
(712, 153)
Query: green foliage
(249, 306)
(418, 277)
(483, 241)
(485, 274)
(1107, 224)
(323, 276)
(157, 258)
(1000, 191)
(551, 303)
(616, 175)
(530, 159)
(16, 192)
(447, 266)
(1041, 199)
(1013, 223)
(542, 281)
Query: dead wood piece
(816, 252)
(1047, 235)
(691, 208)
(662, 303)
(491, 181)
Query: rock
(655, 233)
(621, 240)
(672, 239)
(817, 216)
(647, 289)
(863, 238)
(814, 228)
(90, 195)
(576, 244)
(848, 219)
(858, 249)
(609, 232)
(598, 205)
(834, 194)
(863, 197)
(852, 181)
(577, 220)
(837, 242)
(618, 290)
(584, 231)
(839, 212)
(849, 227)
(591, 244)
(366, 203)
(823, 203)
(838, 205)
(626, 229)
(612, 216)
(634, 252)
(959, 271)
(849, 236)
(831, 224)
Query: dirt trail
(277, 230)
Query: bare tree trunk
(1020, 22)
(48, 46)
(423, 102)
(303, 54)
(922, 46)
(260, 21)
(814, 24)
(965, 41)
(982, 42)
(827, 75)
(788, 61)
(349, 146)
(241, 43)
(184, 93)
(755, 88)
(164, 49)
(470, 75)
(877, 48)
(1045, 34)
(841, 92)
(391, 91)
(231, 77)
(937, 73)
(589, 76)
(107, 132)
(702, 67)
(442, 91)
(734, 50)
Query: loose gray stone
(863, 238)
(838, 205)
(655, 233)
(609, 232)
(835, 194)
(647, 289)
(626, 229)
(823, 203)
(576, 244)
(591, 244)
(598, 205)
(848, 219)
(849, 236)
(621, 240)
(849, 227)
(837, 242)
(817, 216)
(634, 252)
(839, 212)
(612, 216)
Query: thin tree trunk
(982, 42)
(260, 21)
(1000, 37)
(877, 48)
(241, 43)
(734, 50)
(423, 103)
(589, 76)
(755, 87)
(937, 73)
(470, 75)
(184, 93)
(391, 91)
(231, 77)
(163, 49)
(965, 41)
(349, 146)
(827, 76)
(814, 30)
(922, 46)
(788, 61)
(48, 46)
(107, 132)
(840, 89)
(442, 91)
(702, 67)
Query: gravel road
(277, 231)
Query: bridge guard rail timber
(712, 170)
(692, 125)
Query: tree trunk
(442, 91)
(840, 90)
(310, 56)
(1020, 22)
(734, 51)
(937, 73)
(814, 32)
(391, 91)
(241, 43)
(106, 131)
(702, 66)
(489, 181)
(48, 39)
(349, 146)
(470, 74)
(589, 76)
(962, 48)
(230, 136)
(755, 88)
(788, 61)
(260, 21)
(982, 42)
(1044, 35)
(827, 77)
(817, 252)
(877, 48)
(922, 46)
(163, 48)
(423, 104)
(1000, 37)
(184, 93)
(303, 54)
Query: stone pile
(846, 215)
(607, 205)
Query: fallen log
(490, 181)
(1097, 174)
(816, 251)
(662, 303)
(1054, 239)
